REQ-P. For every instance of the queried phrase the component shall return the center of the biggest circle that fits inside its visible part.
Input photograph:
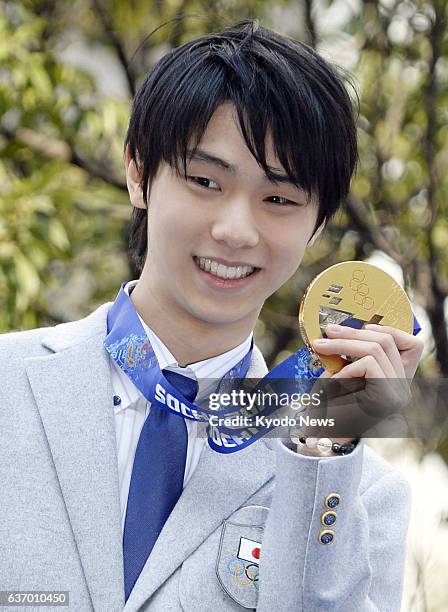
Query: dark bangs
(276, 84)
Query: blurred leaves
(53, 206)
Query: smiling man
(240, 148)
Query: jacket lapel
(74, 401)
(220, 485)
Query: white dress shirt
(131, 413)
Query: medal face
(352, 293)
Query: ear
(133, 180)
(316, 234)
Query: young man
(240, 147)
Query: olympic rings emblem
(361, 290)
(244, 575)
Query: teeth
(222, 271)
(230, 272)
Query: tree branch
(373, 235)
(117, 44)
(310, 25)
(58, 149)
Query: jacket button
(328, 518)
(332, 500)
(326, 536)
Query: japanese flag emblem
(249, 550)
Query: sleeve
(361, 568)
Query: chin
(217, 316)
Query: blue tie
(156, 482)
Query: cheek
(288, 253)
(289, 241)
(166, 221)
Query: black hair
(276, 84)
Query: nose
(235, 225)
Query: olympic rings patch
(244, 575)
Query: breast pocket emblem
(237, 566)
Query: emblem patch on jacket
(237, 565)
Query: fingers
(360, 348)
(403, 340)
(383, 336)
(410, 347)
(366, 367)
(379, 336)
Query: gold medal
(352, 293)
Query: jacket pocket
(222, 573)
(237, 564)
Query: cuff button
(326, 536)
(332, 500)
(328, 518)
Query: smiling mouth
(222, 271)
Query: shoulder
(17, 346)
(15, 349)
(20, 344)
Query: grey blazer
(60, 512)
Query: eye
(282, 201)
(203, 182)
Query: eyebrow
(201, 155)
